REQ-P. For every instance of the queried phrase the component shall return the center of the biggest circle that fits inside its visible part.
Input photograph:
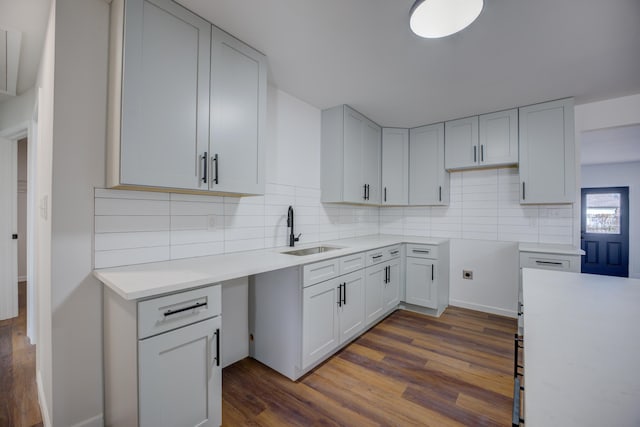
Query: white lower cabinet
(177, 372)
(382, 283)
(332, 314)
(422, 284)
(427, 278)
(162, 359)
(374, 306)
(391, 295)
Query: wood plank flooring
(18, 390)
(409, 370)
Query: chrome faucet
(292, 237)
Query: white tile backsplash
(133, 227)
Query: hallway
(18, 390)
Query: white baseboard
(484, 308)
(97, 421)
(44, 409)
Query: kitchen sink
(311, 251)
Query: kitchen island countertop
(581, 349)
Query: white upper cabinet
(350, 151)
(461, 143)
(482, 141)
(499, 138)
(395, 166)
(238, 111)
(162, 126)
(428, 180)
(547, 153)
(177, 98)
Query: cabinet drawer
(422, 251)
(351, 263)
(392, 251)
(163, 314)
(376, 256)
(320, 271)
(550, 261)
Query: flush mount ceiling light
(440, 18)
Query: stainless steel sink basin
(311, 251)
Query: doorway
(604, 231)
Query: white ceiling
(30, 18)
(612, 145)
(361, 52)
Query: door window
(603, 213)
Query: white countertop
(147, 280)
(582, 349)
(549, 248)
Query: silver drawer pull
(549, 262)
(421, 251)
(180, 310)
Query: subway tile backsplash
(133, 227)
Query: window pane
(603, 213)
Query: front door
(605, 231)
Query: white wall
(79, 134)
(40, 151)
(17, 110)
(621, 175)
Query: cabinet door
(180, 380)
(395, 166)
(392, 287)
(373, 293)
(238, 111)
(372, 135)
(499, 138)
(428, 180)
(461, 142)
(320, 334)
(547, 153)
(421, 286)
(353, 185)
(351, 310)
(165, 92)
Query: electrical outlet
(467, 274)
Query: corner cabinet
(482, 141)
(395, 166)
(547, 153)
(173, 81)
(350, 157)
(428, 180)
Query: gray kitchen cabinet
(395, 166)
(427, 277)
(171, 88)
(547, 153)
(482, 141)
(350, 157)
(428, 179)
(382, 283)
(461, 143)
(236, 144)
(498, 133)
(302, 315)
(162, 359)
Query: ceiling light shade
(440, 18)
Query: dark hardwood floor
(18, 390)
(409, 370)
